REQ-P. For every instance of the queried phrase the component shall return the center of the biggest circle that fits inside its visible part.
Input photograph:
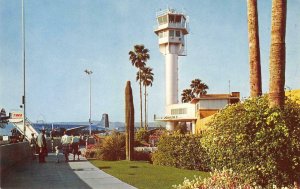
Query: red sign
(16, 115)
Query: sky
(65, 37)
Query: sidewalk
(74, 174)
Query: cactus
(129, 121)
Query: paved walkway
(74, 174)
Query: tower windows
(171, 33)
(162, 20)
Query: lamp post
(24, 67)
(89, 73)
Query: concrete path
(74, 174)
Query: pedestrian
(65, 145)
(57, 154)
(41, 142)
(33, 145)
(75, 146)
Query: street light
(24, 69)
(89, 73)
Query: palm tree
(277, 53)
(198, 87)
(187, 95)
(254, 51)
(147, 78)
(138, 58)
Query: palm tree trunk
(254, 50)
(277, 54)
(146, 126)
(141, 100)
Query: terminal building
(198, 110)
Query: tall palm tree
(147, 78)
(254, 51)
(277, 53)
(187, 95)
(198, 87)
(138, 58)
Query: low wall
(11, 154)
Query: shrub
(225, 179)
(112, 147)
(181, 128)
(91, 151)
(142, 156)
(260, 143)
(142, 135)
(181, 151)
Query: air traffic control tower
(171, 30)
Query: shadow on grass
(104, 167)
(133, 167)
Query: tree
(147, 79)
(277, 54)
(260, 143)
(138, 58)
(129, 121)
(198, 87)
(254, 50)
(187, 95)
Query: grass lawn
(144, 175)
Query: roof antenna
(229, 86)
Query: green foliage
(181, 128)
(112, 147)
(260, 143)
(181, 151)
(225, 179)
(197, 88)
(142, 135)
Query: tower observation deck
(172, 26)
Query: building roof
(233, 95)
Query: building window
(178, 111)
(171, 33)
(177, 33)
(171, 18)
(162, 20)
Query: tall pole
(24, 68)
(90, 120)
(89, 73)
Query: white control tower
(171, 30)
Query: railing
(29, 129)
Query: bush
(91, 151)
(112, 147)
(260, 143)
(181, 128)
(181, 151)
(142, 156)
(225, 179)
(142, 135)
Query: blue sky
(64, 37)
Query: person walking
(41, 142)
(75, 146)
(33, 145)
(65, 145)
